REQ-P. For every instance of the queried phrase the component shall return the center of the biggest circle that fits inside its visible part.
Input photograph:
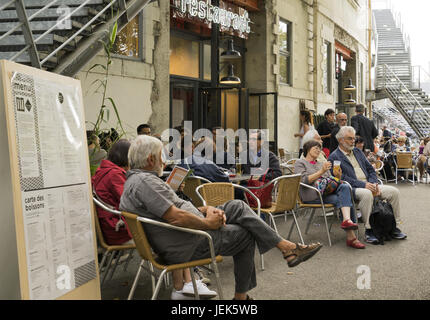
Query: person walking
(364, 128)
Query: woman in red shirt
(108, 183)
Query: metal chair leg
(136, 280)
(193, 279)
(118, 257)
(108, 266)
(326, 226)
(310, 221)
(297, 226)
(128, 259)
(218, 280)
(157, 287)
(105, 254)
(262, 262)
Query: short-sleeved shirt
(325, 128)
(146, 195)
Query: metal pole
(28, 35)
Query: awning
(344, 51)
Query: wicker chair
(218, 193)
(143, 246)
(404, 162)
(191, 184)
(110, 250)
(286, 189)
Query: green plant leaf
(113, 33)
(95, 66)
(117, 114)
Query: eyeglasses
(349, 138)
(343, 119)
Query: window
(184, 57)
(129, 40)
(327, 74)
(285, 51)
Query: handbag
(327, 185)
(263, 194)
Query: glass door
(183, 103)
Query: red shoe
(349, 225)
(355, 243)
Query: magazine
(177, 176)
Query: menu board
(54, 189)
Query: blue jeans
(341, 198)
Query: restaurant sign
(226, 18)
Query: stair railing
(408, 106)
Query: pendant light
(230, 78)
(350, 86)
(231, 53)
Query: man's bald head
(342, 119)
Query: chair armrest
(313, 188)
(106, 207)
(200, 178)
(182, 229)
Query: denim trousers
(341, 198)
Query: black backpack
(382, 220)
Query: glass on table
(337, 171)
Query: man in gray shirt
(234, 227)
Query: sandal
(301, 253)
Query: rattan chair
(110, 251)
(218, 193)
(281, 152)
(326, 208)
(191, 184)
(379, 168)
(286, 190)
(143, 246)
(403, 162)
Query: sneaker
(370, 237)
(202, 289)
(178, 295)
(398, 235)
(200, 275)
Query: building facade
(293, 54)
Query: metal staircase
(60, 35)
(410, 106)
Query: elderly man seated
(234, 227)
(362, 176)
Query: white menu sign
(54, 185)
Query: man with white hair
(362, 177)
(313, 134)
(234, 227)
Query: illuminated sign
(225, 18)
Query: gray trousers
(243, 230)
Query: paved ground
(398, 270)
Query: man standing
(364, 128)
(360, 174)
(342, 120)
(325, 128)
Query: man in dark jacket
(364, 128)
(360, 174)
(342, 120)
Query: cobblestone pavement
(397, 270)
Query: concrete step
(70, 3)
(41, 26)
(49, 14)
